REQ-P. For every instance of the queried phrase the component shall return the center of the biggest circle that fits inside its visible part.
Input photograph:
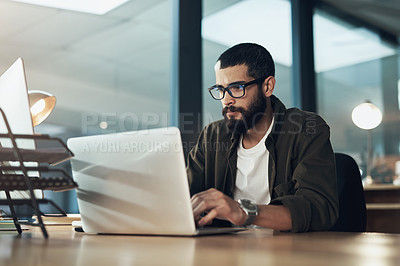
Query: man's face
(241, 114)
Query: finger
(197, 222)
(205, 205)
(200, 208)
(206, 193)
(209, 217)
(197, 202)
(197, 218)
(197, 214)
(211, 194)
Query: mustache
(233, 109)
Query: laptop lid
(133, 183)
(15, 104)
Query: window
(266, 22)
(109, 72)
(353, 64)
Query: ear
(268, 86)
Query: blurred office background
(112, 72)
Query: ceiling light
(98, 7)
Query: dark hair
(257, 59)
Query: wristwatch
(250, 209)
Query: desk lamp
(367, 116)
(41, 104)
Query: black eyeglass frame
(255, 81)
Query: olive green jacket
(302, 173)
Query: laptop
(135, 183)
(15, 104)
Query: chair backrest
(352, 210)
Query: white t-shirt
(252, 172)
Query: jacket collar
(279, 110)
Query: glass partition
(354, 65)
(226, 23)
(109, 69)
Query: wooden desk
(383, 208)
(253, 247)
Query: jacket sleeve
(196, 166)
(314, 204)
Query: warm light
(38, 107)
(366, 116)
(41, 104)
(98, 7)
(104, 125)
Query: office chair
(352, 210)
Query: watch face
(250, 209)
(248, 204)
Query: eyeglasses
(234, 90)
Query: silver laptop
(15, 104)
(134, 183)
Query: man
(263, 164)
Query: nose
(227, 100)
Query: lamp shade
(366, 116)
(41, 104)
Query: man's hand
(218, 205)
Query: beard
(250, 117)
